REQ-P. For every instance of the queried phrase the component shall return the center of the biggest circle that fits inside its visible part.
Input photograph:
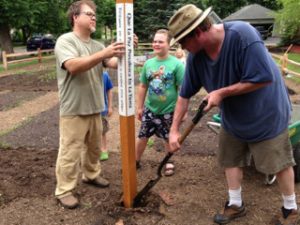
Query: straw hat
(185, 20)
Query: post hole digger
(141, 195)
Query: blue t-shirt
(107, 83)
(255, 116)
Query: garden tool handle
(195, 120)
(186, 133)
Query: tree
(106, 15)
(226, 7)
(30, 16)
(288, 21)
(150, 15)
(270, 4)
(8, 10)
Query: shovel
(139, 197)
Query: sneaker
(286, 217)
(229, 213)
(103, 156)
(98, 182)
(69, 201)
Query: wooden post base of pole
(127, 133)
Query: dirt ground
(192, 195)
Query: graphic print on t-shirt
(159, 82)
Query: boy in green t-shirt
(160, 80)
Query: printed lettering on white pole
(126, 64)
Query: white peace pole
(124, 12)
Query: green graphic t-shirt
(163, 78)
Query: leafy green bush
(288, 22)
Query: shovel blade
(139, 197)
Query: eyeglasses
(89, 14)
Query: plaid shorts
(155, 124)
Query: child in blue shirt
(108, 85)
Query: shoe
(286, 217)
(103, 156)
(169, 169)
(98, 182)
(229, 213)
(69, 201)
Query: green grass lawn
(19, 65)
(295, 57)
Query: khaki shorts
(105, 125)
(270, 156)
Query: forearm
(241, 88)
(109, 98)
(180, 111)
(82, 64)
(215, 98)
(142, 90)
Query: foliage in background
(106, 17)
(288, 22)
(153, 14)
(27, 17)
(150, 15)
(226, 7)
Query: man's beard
(93, 29)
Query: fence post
(4, 58)
(284, 61)
(39, 55)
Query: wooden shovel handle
(186, 132)
(195, 120)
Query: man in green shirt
(157, 94)
(80, 60)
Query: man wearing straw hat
(231, 62)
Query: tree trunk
(26, 33)
(24, 36)
(5, 39)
